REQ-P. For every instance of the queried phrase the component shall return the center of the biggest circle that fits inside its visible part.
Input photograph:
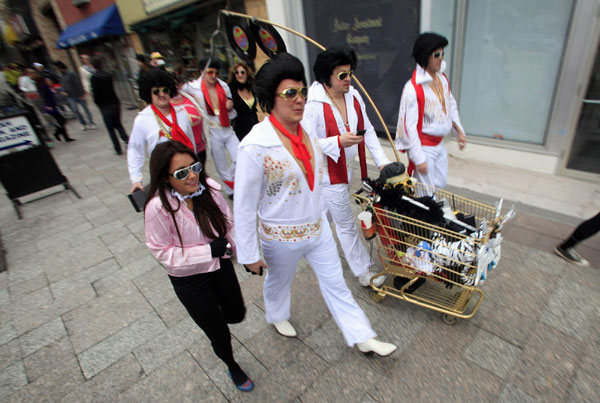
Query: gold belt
(290, 233)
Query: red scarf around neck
(177, 134)
(299, 149)
(223, 114)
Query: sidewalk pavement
(87, 314)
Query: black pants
(585, 230)
(60, 124)
(213, 300)
(112, 119)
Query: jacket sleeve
(454, 113)
(371, 139)
(313, 123)
(166, 248)
(248, 193)
(136, 151)
(407, 135)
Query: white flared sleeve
(313, 123)
(248, 193)
(407, 135)
(454, 114)
(371, 139)
(136, 151)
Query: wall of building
(49, 28)
(72, 14)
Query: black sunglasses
(164, 90)
(183, 173)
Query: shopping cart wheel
(449, 319)
(375, 296)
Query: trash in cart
(437, 246)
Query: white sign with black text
(16, 134)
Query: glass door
(585, 150)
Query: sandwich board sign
(16, 134)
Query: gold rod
(317, 44)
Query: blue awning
(103, 23)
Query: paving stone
(71, 261)
(12, 378)
(46, 359)
(547, 364)
(254, 322)
(7, 332)
(504, 322)
(204, 354)
(164, 346)
(9, 353)
(123, 243)
(586, 384)
(97, 231)
(124, 275)
(492, 353)
(172, 312)
(83, 279)
(569, 309)
(105, 386)
(52, 386)
(42, 336)
(132, 255)
(104, 316)
(327, 341)
(180, 380)
(111, 349)
(510, 394)
(155, 285)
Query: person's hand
(218, 247)
(229, 104)
(136, 186)
(256, 268)
(422, 168)
(349, 139)
(462, 140)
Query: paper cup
(366, 219)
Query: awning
(103, 23)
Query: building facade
(526, 75)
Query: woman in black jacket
(244, 101)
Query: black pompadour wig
(214, 63)
(329, 59)
(424, 46)
(156, 78)
(281, 67)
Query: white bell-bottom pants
(321, 252)
(224, 139)
(337, 201)
(437, 166)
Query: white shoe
(84, 127)
(285, 328)
(380, 348)
(92, 126)
(365, 279)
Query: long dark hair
(234, 83)
(210, 218)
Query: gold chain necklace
(345, 122)
(162, 126)
(438, 90)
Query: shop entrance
(585, 149)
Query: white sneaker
(92, 126)
(84, 127)
(365, 279)
(380, 348)
(285, 328)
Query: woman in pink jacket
(189, 229)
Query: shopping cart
(439, 267)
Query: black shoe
(69, 139)
(230, 197)
(571, 255)
(57, 137)
(119, 152)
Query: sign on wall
(16, 134)
(382, 33)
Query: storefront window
(512, 54)
(442, 22)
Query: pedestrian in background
(50, 106)
(586, 229)
(71, 85)
(110, 107)
(85, 72)
(240, 82)
(188, 228)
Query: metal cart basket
(432, 266)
